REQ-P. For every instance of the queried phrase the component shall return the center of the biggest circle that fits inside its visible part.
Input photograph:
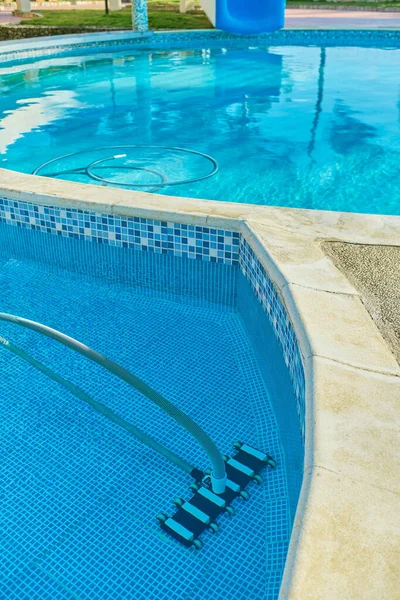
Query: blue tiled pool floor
(79, 495)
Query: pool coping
(347, 365)
(341, 545)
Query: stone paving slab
(8, 17)
(340, 19)
(375, 273)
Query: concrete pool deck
(340, 19)
(375, 273)
(347, 529)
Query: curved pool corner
(345, 378)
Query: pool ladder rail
(218, 476)
(199, 513)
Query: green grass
(161, 16)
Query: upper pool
(288, 125)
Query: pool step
(200, 512)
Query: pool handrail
(218, 477)
(97, 406)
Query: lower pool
(288, 125)
(79, 495)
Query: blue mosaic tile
(85, 510)
(87, 492)
(139, 16)
(269, 298)
(161, 237)
(188, 241)
(129, 41)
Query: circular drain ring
(156, 185)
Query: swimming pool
(140, 278)
(289, 124)
(80, 494)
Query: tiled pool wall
(187, 241)
(207, 246)
(123, 41)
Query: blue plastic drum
(249, 16)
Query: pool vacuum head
(199, 513)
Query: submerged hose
(218, 474)
(88, 170)
(99, 407)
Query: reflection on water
(33, 114)
(291, 126)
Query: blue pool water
(301, 126)
(78, 494)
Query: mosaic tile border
(269, 298)
(129, 41)
(162, 237)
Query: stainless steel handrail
(98, 406)
(218, 474)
